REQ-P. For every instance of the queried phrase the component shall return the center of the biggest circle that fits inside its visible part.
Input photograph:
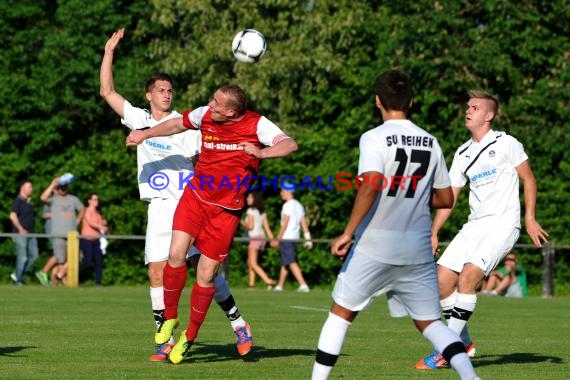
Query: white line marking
(308, 308)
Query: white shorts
(482, 243)
(159, 229)
(413, 288)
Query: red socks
(174, 281)
(200, 300)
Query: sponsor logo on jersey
(484, 175)
(222, 146)
(210, 138)
(158, 145)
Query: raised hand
(113, 41)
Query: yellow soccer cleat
(180, 350)
(164, 332)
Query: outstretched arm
(106, 83)
(533, 229)
(166, 128)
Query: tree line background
(316, 82)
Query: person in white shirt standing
(292, 221)
(402, 172)
(491, 162)
(164, 164)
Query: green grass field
(107, 333)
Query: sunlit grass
(107, 333)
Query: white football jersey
(490, 168)
(163, 163)
(397, 229)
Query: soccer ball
(249, 46)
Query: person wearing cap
(292, 221)
(64, 209)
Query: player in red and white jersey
(402, 172)
(161, 163)
(234, 139)
(223, 173)
(491, 162)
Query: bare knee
(154, 271)
(469, 279)
(447, 282)
(344, 313)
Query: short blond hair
(236, 98)
(479, 94)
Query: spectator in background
(509, 280)
(93, 225)
(64, 208)
(23, 217)
(46, 216)
(258, 231)
(292, 220)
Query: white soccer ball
(249, 46)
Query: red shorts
(213, 227)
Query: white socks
(464, 306)
(157, 298)
(330, 343)
(441, 337)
